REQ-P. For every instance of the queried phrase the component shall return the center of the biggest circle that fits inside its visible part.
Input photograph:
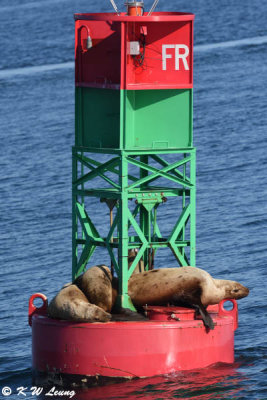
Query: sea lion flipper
(205, 315)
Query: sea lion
(188, 286)
(72, 305)
(95, 284)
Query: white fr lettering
(165, 55)
(178, 56)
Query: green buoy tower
(133, 140)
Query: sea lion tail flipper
(205, 316)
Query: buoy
(174, 339)
(134, 80)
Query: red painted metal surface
(227, 313)
(162, 16)
(132, 349)
(166, 51)
(42, 310)
(160, 313)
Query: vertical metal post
(82, 197)
(144, 214)
(183, 205)
(123, 299)
(193, 210)
(74, 216)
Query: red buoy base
(173, 340)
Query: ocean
(37, 132)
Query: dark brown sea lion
(72, 305)
(183, 286)
(95, 283)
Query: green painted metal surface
(97, 121)
(137, 131)
(133, 119)
(149, 113)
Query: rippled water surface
(37, 132)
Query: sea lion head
(234, 290)
(96, 314)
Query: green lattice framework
(143, 174)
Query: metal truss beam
(142, 219)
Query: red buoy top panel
(123, 17)
(134, 52)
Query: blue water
(37, 132)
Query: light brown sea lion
(95, 283)
(72, 305)
(183, 286)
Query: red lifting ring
(229, 313)
(37, 310)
